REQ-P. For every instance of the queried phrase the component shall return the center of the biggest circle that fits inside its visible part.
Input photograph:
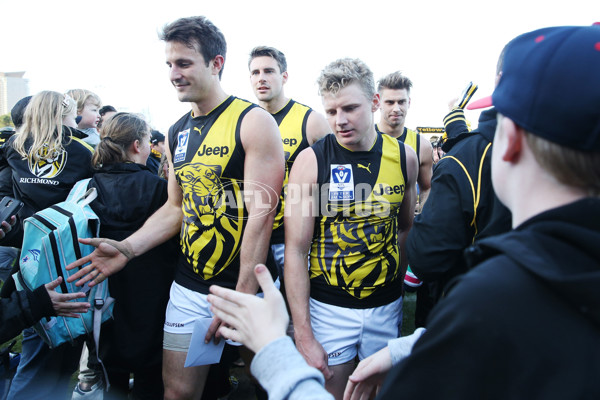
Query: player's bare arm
(425, 170)
(299, 222)
(316, 127)
(264, 169)
(407, 209)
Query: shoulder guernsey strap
(403, 160)
(418, 147)
(476, 194)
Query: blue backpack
(49, 245)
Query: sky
(112, 48)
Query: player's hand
(109, 257)
(314, 354)
(213, 330)
(61, 302)
(367, 378)
(6, 226)
(249, 319)
(452, 103)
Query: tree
(5, 120)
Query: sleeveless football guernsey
(208, 161)
(410, 138)
(354, 257)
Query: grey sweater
(284, 374)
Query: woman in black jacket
(128, 193)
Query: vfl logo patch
(182, 144)
(334, 355)
(33, 254)
(342, 182)
(49, 165)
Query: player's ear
(285, 76)
(376, 102)
(217, 63)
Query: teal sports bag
(49, 245)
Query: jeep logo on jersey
(217, 151)
(48, 166)
(289, 142)
(342, 182)
(383, 189)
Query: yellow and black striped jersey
(208, 161)
(355, 257)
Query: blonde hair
(43, 123)
(342, 73)
(580, 169)
(118, 133)
(83, 96)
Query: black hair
(197, 33)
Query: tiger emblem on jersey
(49, 165)
(210, 237)
(356, 254)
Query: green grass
(408, 313)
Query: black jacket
(444, 228)
(523, 324)
(42, 185)
(22, 309)
(39, 186)
(153, 162)
(128, 194)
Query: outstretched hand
(249, 319)
(367, 378)
(452, 103)
(6, 226)
(61, 302)
(109, 257)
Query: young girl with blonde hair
(46, 157)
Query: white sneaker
(96, 392)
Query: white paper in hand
(201, 353)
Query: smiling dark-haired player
(226, 169)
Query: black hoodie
(444, 229)
(523, 324)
